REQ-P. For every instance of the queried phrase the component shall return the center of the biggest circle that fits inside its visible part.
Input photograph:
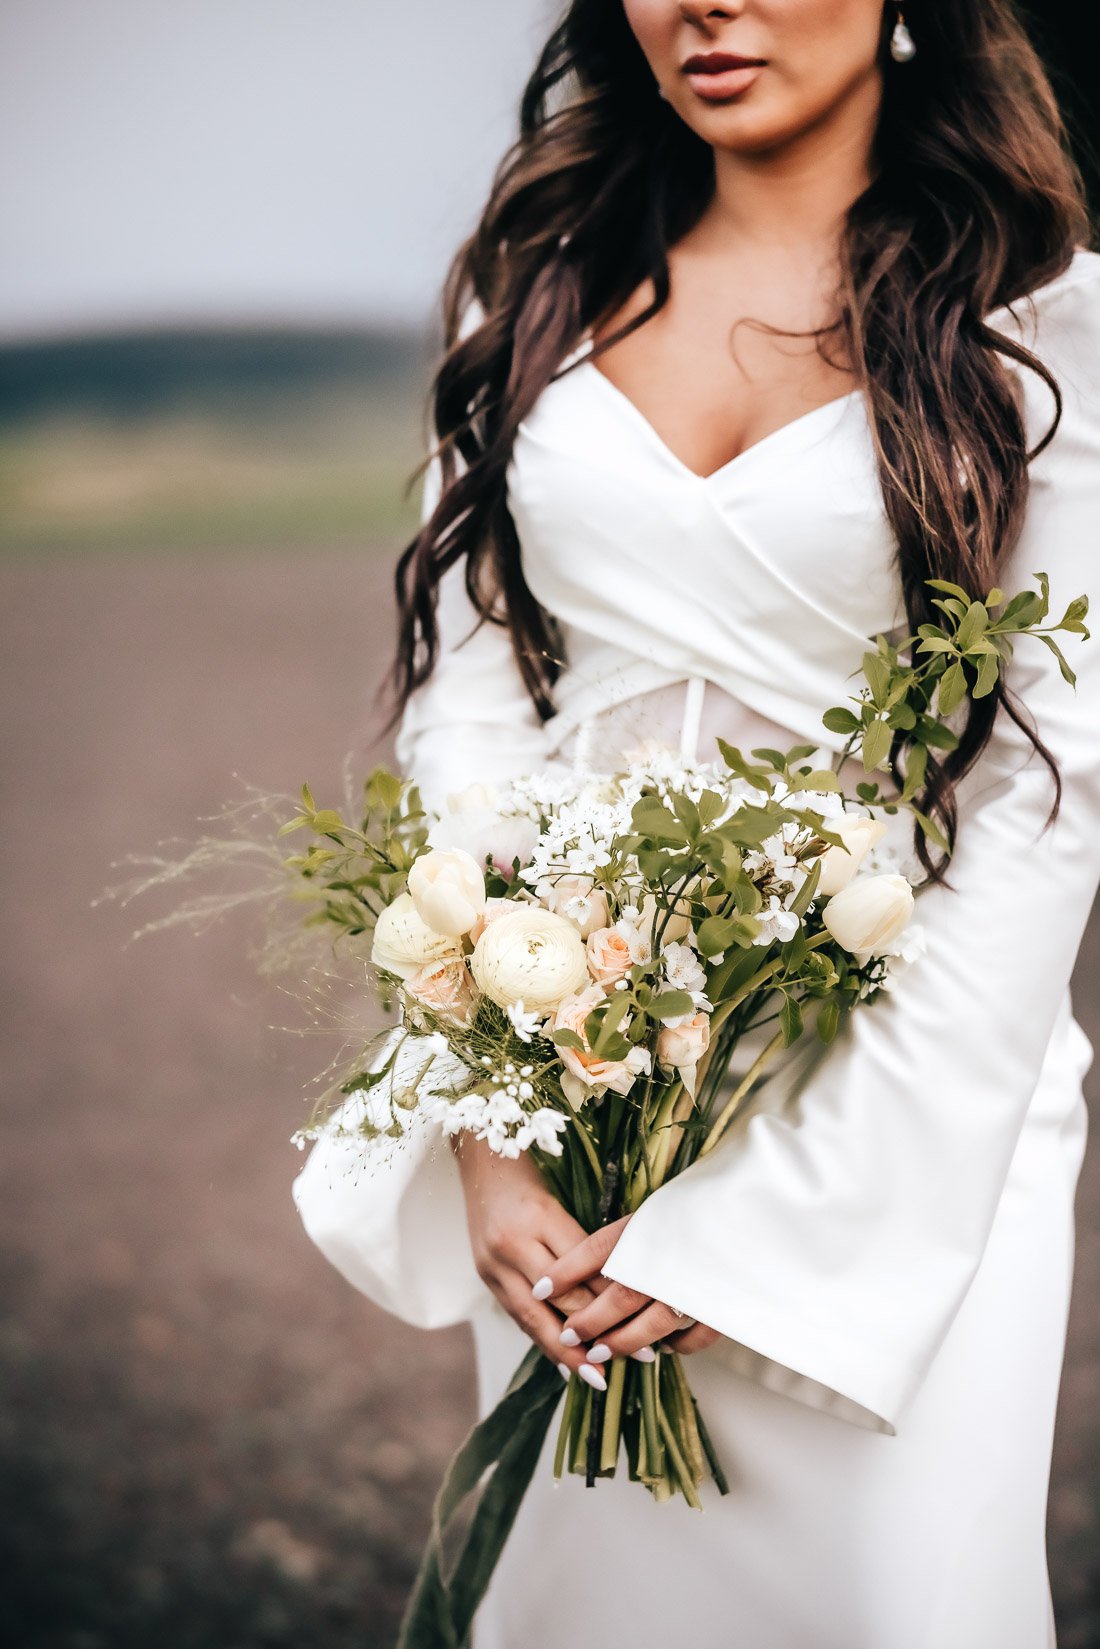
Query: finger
(533, 1258)
(615, 1305)
(582, 1262)
(543, 1325)
(562, 1234)
(696, 1338)
(648, 1326)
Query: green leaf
(651, 818)
(1067, 673)
(930, 829)
(935, 734)
(876, 745)
(568, 1039)
(988, 671)
(877, 674)
(509, 1440)
(820, 779)
(916, 765)
(774, 758)
(948, 589)
(291, 824)
(972, 626)
(790, 1021)
(952, 689)
(839, 720)
(828, 1019)
(327, 822)
(669, 1003)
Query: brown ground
(207, 1440)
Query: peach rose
(612, 952)
(683, 1046)
(585, 1074)
(445, 987)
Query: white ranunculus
(859, 835)
(448, 890)
(403, 941)
(531, 955)
(868, 915)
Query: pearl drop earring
(902, 45)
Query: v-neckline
(584, 362)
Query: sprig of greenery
(365, 867)
(914, 686)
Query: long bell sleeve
(834, 1234)
(390, 1216)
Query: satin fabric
(885, 1241)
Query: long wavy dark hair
(975, 201)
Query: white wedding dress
(886, 1243)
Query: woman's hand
(518, 1229)
(617, 1321)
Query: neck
(800, 192)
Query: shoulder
(1059, 322)
(1059, 313)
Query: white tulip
(531, 955)
(403, 941)
(448, 890)
(869, 914)
(859, 835)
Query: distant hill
(146, 372)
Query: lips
(720, 63)
(721, 77)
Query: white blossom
(526, 1023)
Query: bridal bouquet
(577, 958)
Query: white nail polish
(644, 1354)
(543, 1289)
(593, 1376)
(600, 1353)
(564, 1370)
(569, 1337)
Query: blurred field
(207, 441)
(207, 1441)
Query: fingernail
(564, 1370)
(593, 1376)
(600, 1353)
(644, 1354)
(569, 1337)
(543, 1289)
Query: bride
(777, 309)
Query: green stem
(612, 1414)
(727, 1114)
(687, 1487)
(649, 1419)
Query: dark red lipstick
(718, 76)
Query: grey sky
(180, 160)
